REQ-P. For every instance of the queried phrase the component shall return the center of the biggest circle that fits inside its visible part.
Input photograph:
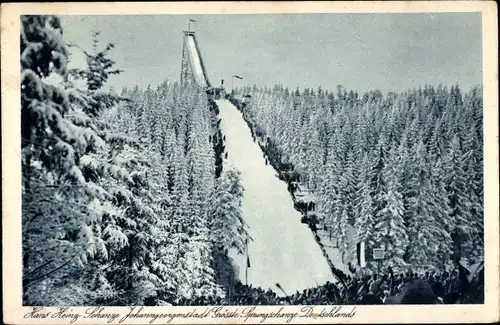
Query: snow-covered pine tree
(473, 183)
(96, 73)
(458, 201)
(301, 159)
(441, 211)
(228, 229)
(377, 180)
(55, 134)
(329, 198)
(342, 234)
(423, 229)
(315, 160)
(390, 231)
(132, 175)
(364, 215)
(349, 186)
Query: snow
(334, 253)
(196, 62)
(283, 249)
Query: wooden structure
(247, 99)
(216, 93)
(193, 68)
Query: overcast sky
(358, 51)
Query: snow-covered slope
(196, 62)
(283, 249)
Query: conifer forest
(135, 196)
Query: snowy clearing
(283, 249)
(334, 254)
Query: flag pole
(189, 24)
(246, 268)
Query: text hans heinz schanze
(249, 313)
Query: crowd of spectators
(460, 286)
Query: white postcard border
(13, 310)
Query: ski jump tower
(193, 68)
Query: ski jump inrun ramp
(283, 249)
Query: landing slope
(283, 249)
